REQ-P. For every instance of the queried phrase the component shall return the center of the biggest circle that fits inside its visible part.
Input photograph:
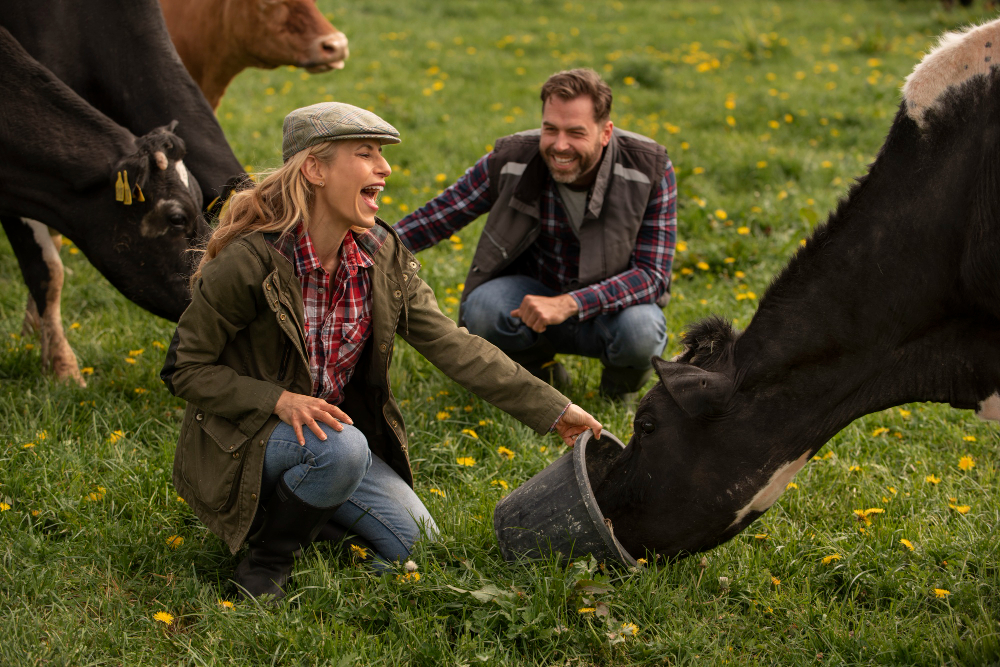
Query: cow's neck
(199, 30)
(871, 313)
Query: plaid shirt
(554, 258)
(338, 313)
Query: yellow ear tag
(139, 196)
(119, 189)
(127, 191)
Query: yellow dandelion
(439, 492)
(163, 617)
(904, 413)
(854, 469)
(729, 260)
(730, 121)
(115, 436)
(941, 592)
(586, 610)
(961, 509)
(743, 230)
(27, 445)
(906, 543)
(501, 483)
(629, 629)
(466, 461)
(408, 577)
(702, 265)
(87, 370)
(698, 170)
(682, 246)
(791, 485)
(175, 541)
(226, 604)
(160, 346)
(130, 360)
(4, 507)
(829, 559)
(761, 164)
(826, 164)
(629, 81)
(966, 463)
(641, 561)
(359, 552)
(969, 438)
(440, 178)
(720, 214)
(441, 416)
(775, 581)
(932, 479)
(879, 431)
(140, 390)
(471, 433)
(506, 453)
(136, 353)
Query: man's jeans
(626, 339)
(377, 504)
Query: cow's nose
(333, 47)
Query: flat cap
(329, 121)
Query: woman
(284, 354)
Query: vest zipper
(503, 250)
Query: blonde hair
(279, 202)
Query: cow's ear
(697, 391)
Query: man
(576, 252)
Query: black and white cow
(895, 299)
(128, 201)
(119, 58)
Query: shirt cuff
(553, 427)
(588, 303)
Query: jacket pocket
(213, 459)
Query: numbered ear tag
(119, 189)
(139, 196)
(127, 190)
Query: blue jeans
(626, 339)
(375, 501)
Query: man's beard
(584, 163)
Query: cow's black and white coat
(895, 299)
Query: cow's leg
(32, 319)
(38, 256)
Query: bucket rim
(583, 482)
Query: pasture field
(769, 109)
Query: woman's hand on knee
(298, 410)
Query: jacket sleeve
(477, 364)
(226, 299)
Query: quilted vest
(630, 170)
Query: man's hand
(298, 410)
(575, 421)
(540, 311)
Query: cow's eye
(647, 427)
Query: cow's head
(683, 484)
(292, 31)
(150, 258)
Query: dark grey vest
(632, 167)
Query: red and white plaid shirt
(338, 314)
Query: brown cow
(218, 39)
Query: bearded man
(576, 252)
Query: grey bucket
(556, 512)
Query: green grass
(88, 506)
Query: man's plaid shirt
(338, 313)
(554, 258)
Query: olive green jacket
(241, 342)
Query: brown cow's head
(292, 31)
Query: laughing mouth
(371, 194)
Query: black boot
(289, 524)
(622, 383)
(539, 360)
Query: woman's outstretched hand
(298, 410)
(575, 421)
